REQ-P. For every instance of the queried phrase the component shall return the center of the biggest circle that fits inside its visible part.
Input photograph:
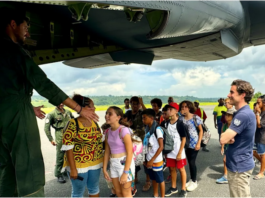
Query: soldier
(21, 163)
(58, 119)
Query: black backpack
(181, 125)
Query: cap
(197, 101)
(173, 105)
(230, 111)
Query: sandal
(147, 186)
(257, 177)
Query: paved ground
(210, 168)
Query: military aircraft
(92, 34)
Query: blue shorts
(91, 181)
(260, 148)
(157, 176)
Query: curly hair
(189, 104)
(244, 87)
(157, 101)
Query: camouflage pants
(59, 153)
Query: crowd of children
(141, 136)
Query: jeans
(91, 181)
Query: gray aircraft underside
(144, 31)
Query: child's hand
(222, 151)
(197, 147)
(73, 174)
(123, 179)
(106, 175)
(178, 157)
(149, 164)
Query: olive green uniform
(58, 121)
(21, 162)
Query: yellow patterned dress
(86, 144)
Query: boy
(153, 145)
(156, 106)
(165, 117)
(176, 159)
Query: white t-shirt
(172, 130)
(154, 145)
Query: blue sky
(166, 77)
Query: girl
(82, 141)
(119, 149)
(187, 109)
(228, 119)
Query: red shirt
(198, 113)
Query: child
(228, 119)
(153, 146)
(156, 106)
(119, 151)
(176, 159)
(83, 164)
(104, 127)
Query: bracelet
(126, 172)
(80, 110)
(257, 114)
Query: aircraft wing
(92, 34)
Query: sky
(166, 77)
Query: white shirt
(172, 130)
(154, 145)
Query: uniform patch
(237, 122)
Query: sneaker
(171, 191)
(112, 195)
(183, 193)
(168, 180)
(61, 179)
(222, 180)
(188, 183)
(192, 186)
(134, 191)
(205, 149)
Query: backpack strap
(195, 121)
(196, 124)
(106, 132)
(120, 130)
(77, 125)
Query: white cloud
(166, 77)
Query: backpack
(180, 126)
(168, 141)
(137, 146)
(206, 132)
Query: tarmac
(209, 168)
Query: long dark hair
(119, 112)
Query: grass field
(105, 107)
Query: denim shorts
(91, 181)
(260, 148)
